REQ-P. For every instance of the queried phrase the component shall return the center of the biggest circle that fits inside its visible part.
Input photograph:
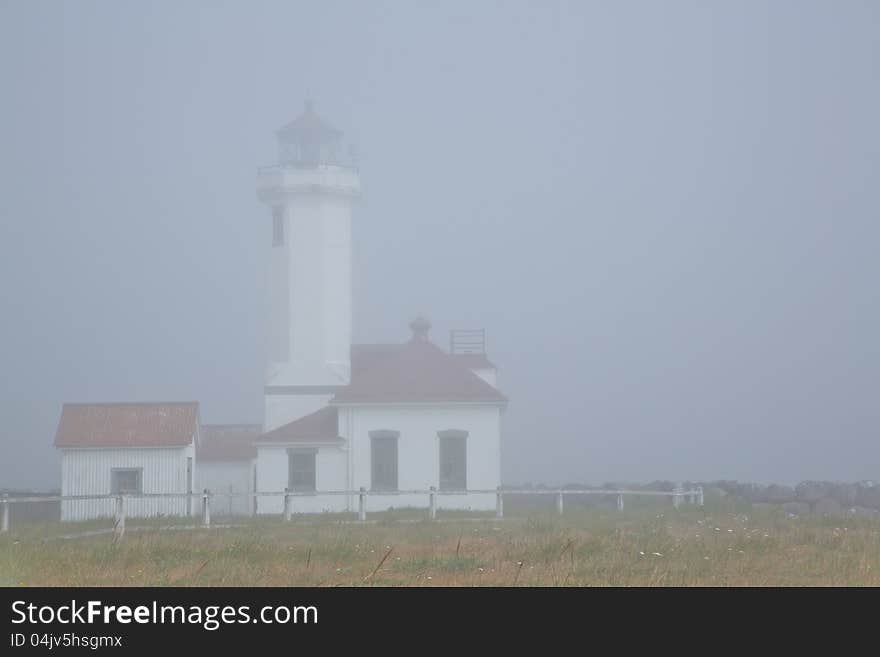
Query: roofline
(232, 426)
(191, 443)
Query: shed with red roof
(131, 449)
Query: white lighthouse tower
(310, 193)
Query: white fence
(120, 502)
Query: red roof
(367, 356)
(228, 442)
(158, 424)
(320, 426)
(413, 372)
(416, 371)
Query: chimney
(420, 327)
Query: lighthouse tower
(310, 193)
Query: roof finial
(420, 327)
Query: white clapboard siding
(88, 472)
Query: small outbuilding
(130, 449)
(226, 458)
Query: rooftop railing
(306, 166)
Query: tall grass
(722, 546)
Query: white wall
(222, 477)
(310, 276)
(418, 459)
(87, 472)
(418, 451)
(330, 475)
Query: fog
(665, 215)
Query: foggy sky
(664, 214)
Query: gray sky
(664, 214)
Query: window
(277, 226)
(383, 459)
(301, 470)
(453, 459)
(126, 481)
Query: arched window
(453, 459)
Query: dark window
(126, 481)
(301, 470)
(277, 226)
(383, 459)
(453, 460)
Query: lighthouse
(404, 420)
(310, 193)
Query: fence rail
(679, 496)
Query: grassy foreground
(586, 547)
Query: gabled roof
(228, 442)
(320, 426)
(415, 371)
(130, 424)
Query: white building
(338, 416)
(413, 417)
(226, 459)
(130, 449)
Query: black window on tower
(383, 460)
(453, 459)
(277, 226)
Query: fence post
(499, 504)
(362, 504)
(619, 502)
(4, 514)
(700, 495)
(559, 503)
(206, 509)
(287, 505)
(119, 527)
(676, 496)
(432, 503)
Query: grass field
(585, 547)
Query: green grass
(643, 546)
